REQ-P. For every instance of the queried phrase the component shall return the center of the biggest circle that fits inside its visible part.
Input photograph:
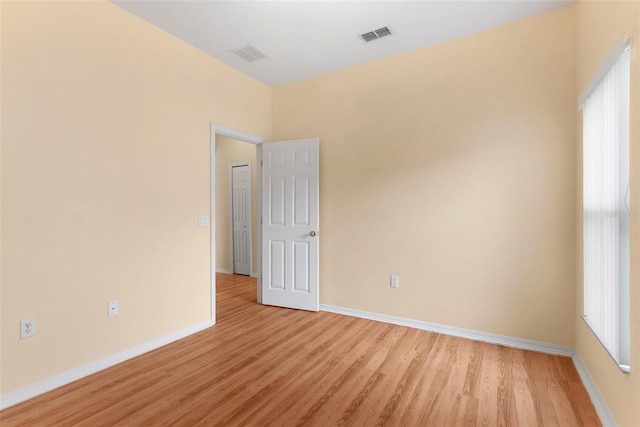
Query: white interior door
(290, 215)
(241, 223)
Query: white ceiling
(303, 39)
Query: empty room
(317, 213)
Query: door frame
(252, 273)
(257, 141)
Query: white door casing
(217, 130)
(290, 215)
(241, 218)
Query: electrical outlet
(27, 328)
(112, 307)
(394, 281)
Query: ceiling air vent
(248, 53)
(376, 34)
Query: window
(605, 112)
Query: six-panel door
(290, 224)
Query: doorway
(229, 147)
(294, 188)
(235, 220)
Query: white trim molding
(470, 334)
(604, 413)
(253, 274)
(236, 134)
(41, 387)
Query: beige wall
(229, 151)
(600, 25)
(453, 167)
(105, 169)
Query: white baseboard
(225, 271)
(456, 332)
(36, 389)
(606, 417)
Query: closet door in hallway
(241, 210)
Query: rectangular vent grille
(383, 32)
(368, 37)
(249, 53)
(376, 34)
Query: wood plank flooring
(266, 366)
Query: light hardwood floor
(267, 366)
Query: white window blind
(606, 204)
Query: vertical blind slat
(603, 207)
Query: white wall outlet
(394, 281)
(27, 328)
(112, 308)
(203, 220)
